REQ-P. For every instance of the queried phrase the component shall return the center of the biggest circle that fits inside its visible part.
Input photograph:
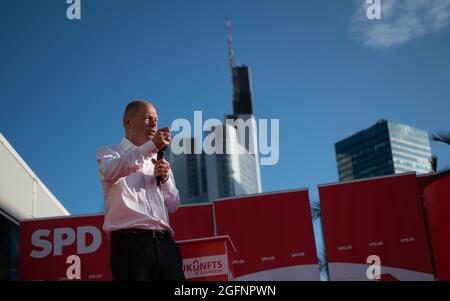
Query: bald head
(135, 106)
(140, 121)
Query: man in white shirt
(136, 208)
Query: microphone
(159, 156)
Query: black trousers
(140, 255)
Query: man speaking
(136, 207)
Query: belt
(145, 232)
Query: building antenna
(230, 44)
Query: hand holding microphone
(162, 138)
(162, 167)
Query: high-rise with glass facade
(233, 173)
(189, 170)
(384, 148)
(225, 174)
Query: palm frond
(433, 162)
(323, 267)
(323, 263)
(315, 209)
(443, 137)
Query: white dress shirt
(132, 198)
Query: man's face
(142, 125)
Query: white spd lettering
(63, 237)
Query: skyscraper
(236, 170)
(384, 148)
(224, 173)
(189, 170)
(242, 90)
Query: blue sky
(318, 67)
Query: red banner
(381, 217)
(48, 246)
(193, 221)
(437, 205)
(272, 233)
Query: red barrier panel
(273, 235)
(46, 244)
(381, 216)
(193, 221)
(436, 195)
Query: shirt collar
(126, 144)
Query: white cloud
(401, 21)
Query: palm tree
(316, 213)
(443, 137)
(315, 209)
(433, 163)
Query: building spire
(230, 44)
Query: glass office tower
(384, 148)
